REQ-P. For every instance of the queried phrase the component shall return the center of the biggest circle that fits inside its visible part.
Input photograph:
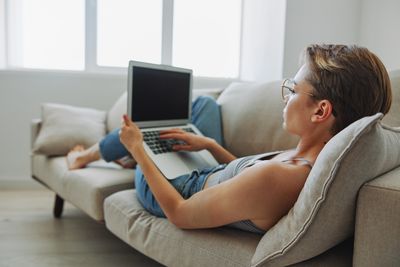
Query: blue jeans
(206, 116)
(187, 185)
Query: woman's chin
(286, 129)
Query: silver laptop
(159, 98)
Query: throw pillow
(324, 213)
(114, 115)
(65, 126)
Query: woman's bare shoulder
(269, 177)
(277, 191)
(263, 192)
(281, 170)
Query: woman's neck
(310, 148)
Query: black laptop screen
(159, 94)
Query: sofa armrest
(377, 233)
(35, 127)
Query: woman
(335, 86)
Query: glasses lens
(287, 85)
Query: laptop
(160, 98)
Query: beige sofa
(343, 217)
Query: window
(46, 34)
(128, 29)
(103, 35)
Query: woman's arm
(264, 192)
(195, 142)
(165, 194)
(220, 153)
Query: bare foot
(126, 162)
(76, 158)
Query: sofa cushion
(65, 126)
(85, 188)
(252, 118)
(171, 246)
(324, 213)
(88, 187)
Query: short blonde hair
(352, 78)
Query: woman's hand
(130, 135)
(191, 142)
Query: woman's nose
(286, 99)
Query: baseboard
(20, 183)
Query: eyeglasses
(288, 89)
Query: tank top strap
(267, 155)
(304, 161)
(251, 160)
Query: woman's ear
(323, 111)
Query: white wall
(318, 21)
(2, 33)
(263, 40)
(379, 30)
(370, 23)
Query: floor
(30, 236)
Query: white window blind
(128, 29)
(46, 34)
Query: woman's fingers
(129, 131)
(127, 121)
(179, 136)
(182, 147)
(172, 131)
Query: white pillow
(323, 215)
(114, 115)
(65, 126)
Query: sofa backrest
(393, 117)
(252, 116)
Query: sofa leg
(58, 206)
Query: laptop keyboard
(159, 146)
